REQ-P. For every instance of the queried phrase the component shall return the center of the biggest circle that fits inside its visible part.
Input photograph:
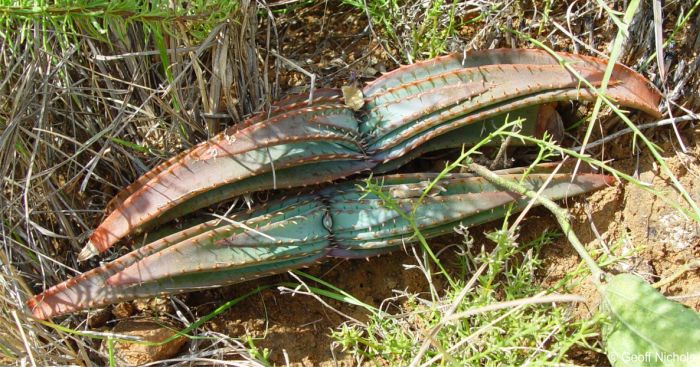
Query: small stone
(98, 318)
(135, 354)
(158, 304)
(338, 62)
(123, 310)
(369, 72)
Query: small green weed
(418, 31)
(535, 334)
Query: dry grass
(84, 114)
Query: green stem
(424, 244)
(559, 213)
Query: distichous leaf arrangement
(446, 102)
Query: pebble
(135, 354)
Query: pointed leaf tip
(88, 252)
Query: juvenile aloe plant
(414, 109)
(337, 221)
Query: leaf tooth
(455, 121)
(500, 92)
(117, 200)
(134, 211)
(526, 57)
(292, 102)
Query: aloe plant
(337, 221)
(436, 104)
(415, 109)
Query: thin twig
(243, 225)
(24, 338)
(301, 70)
(171, 51)
(457, 301)
(640, 127)
(477, 333)
(560, 214)
(552, 298)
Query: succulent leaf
(537, 120)
(634, 85)
(296, 232)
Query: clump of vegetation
(500, 316)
